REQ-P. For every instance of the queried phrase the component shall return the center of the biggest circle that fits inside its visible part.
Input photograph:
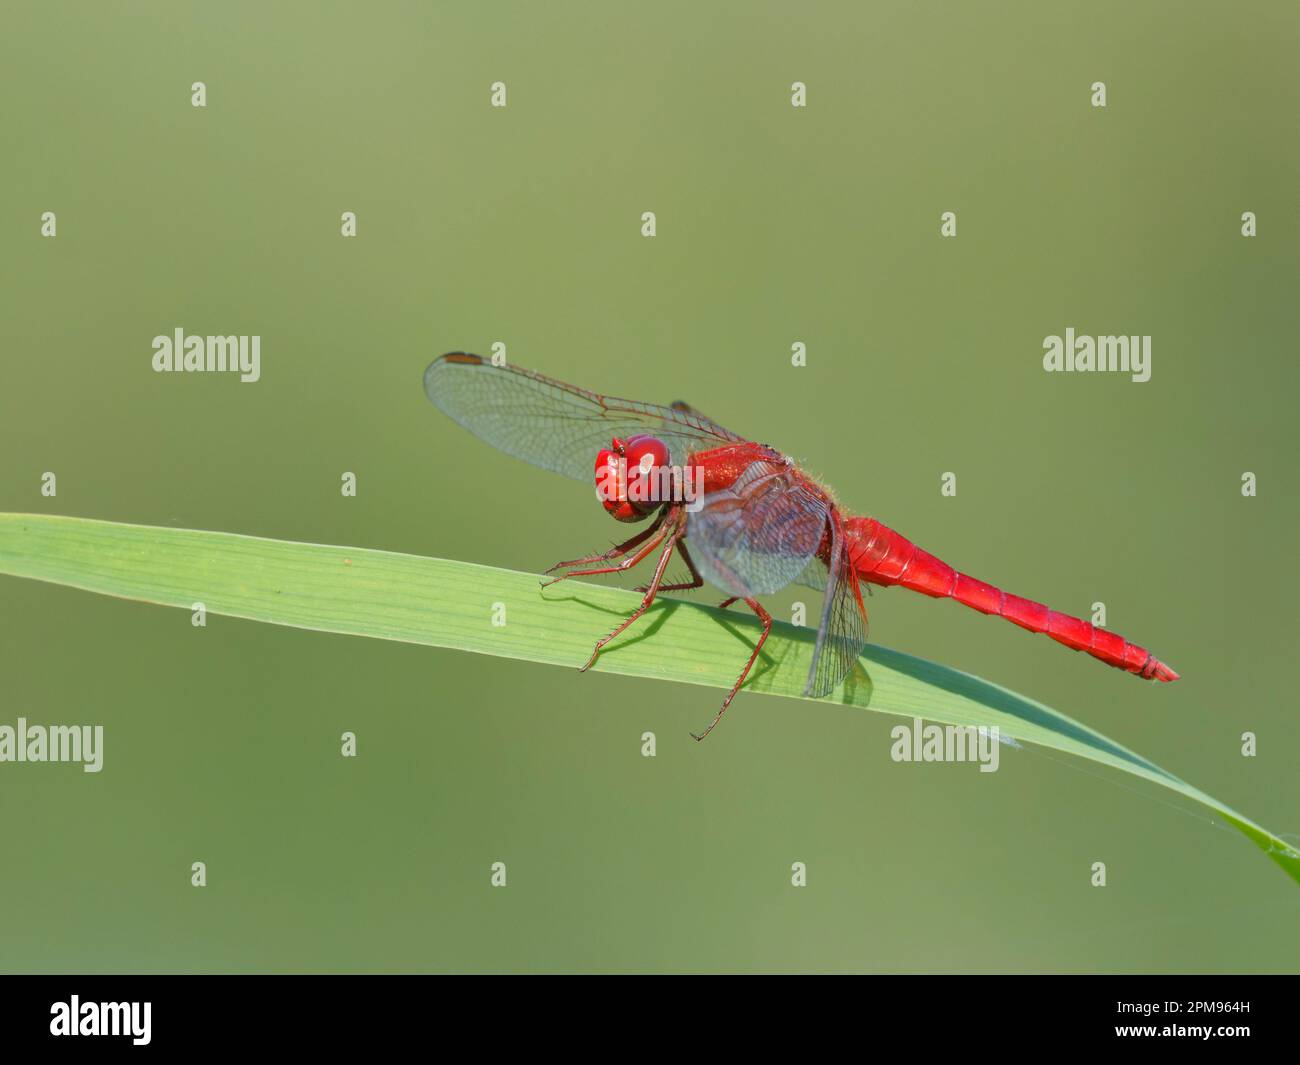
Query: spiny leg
(651, 590)
(766, 619)
(696, 580)
(627, 563)
(617, 551)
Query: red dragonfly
(759, 524)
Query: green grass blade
(449, 604)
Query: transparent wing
(813, 575)
(553, 425)
(682, 407)
(757, 536)
(843, 628)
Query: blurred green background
(775, 225)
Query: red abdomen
(884, 557)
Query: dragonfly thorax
(630, 475)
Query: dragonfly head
(628, 476)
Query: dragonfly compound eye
(647, 461)
(628, 477)
(611, 483)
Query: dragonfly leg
(673, 535)
(727, 602)
(696, 580)
(766, 619)
(660, 531)
(617, 551)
